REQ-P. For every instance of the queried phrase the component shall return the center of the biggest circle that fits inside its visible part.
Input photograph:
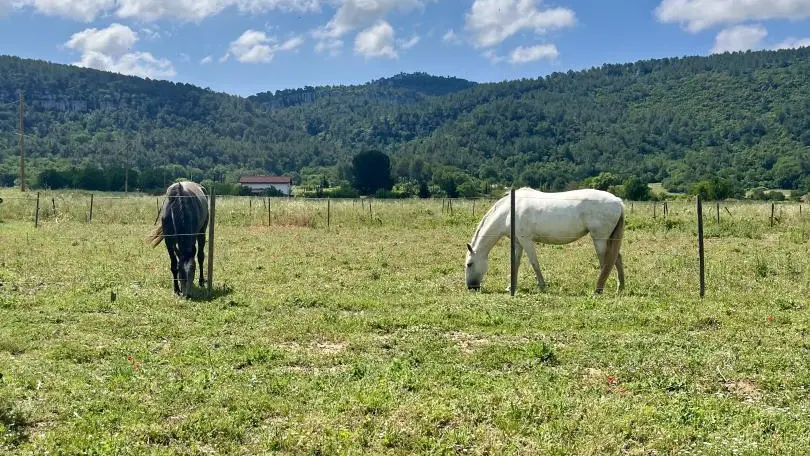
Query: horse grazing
(551, 218)
(183, 220)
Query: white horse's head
(475, 266)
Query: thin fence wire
(237, 212)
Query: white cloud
(141, 64)
(256, 47)
(493, 21)
(291, 44)
(529, 54)
(739, 38)
(493, 56)
(451, 37)
(110, 49)
(699, 15)
(409, 43)
(252, 47)
(114, 40)
(207, 59)
(353, 14)
(150, 33)
(376, 41)
(333, 47)
(263, 6)
(793, 43)
(152, 10)
(80, 10)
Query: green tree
(469, 189)
(634, 189)
(603, 181)
(371, 171)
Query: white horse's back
(563, 217)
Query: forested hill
(743, 116)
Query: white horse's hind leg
(604, 267)
(528, 246)
(620, 271)
(518, 252)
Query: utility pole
(22, 142)
(126, 174)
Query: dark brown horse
(183, 221)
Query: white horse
(551, 218)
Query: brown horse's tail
(612, 250)
(155, 236)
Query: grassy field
(361, 338)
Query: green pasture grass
(361, 338)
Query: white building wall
(258, 188)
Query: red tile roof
(265, 180)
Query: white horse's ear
(469, 247)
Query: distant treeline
(742, 117)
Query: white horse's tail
(614, 245)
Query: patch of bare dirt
(744, 389)
(465, 341)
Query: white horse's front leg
(528, 246)
(518, 252)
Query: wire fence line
(237, 212)
(318, 212)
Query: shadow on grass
(14, 423)
(200, 294)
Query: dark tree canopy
(371, 171)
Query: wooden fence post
(700, 246)
(36, 216)
(450, 205)
(718, 212)
(90, 219)
(473, 208)
(512, 243)
(370, 214)
(212, 209)
(53, 202)
(268, 211)
(773, 206)
(328, 212)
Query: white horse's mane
(486, 217)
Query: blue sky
(249, 46)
